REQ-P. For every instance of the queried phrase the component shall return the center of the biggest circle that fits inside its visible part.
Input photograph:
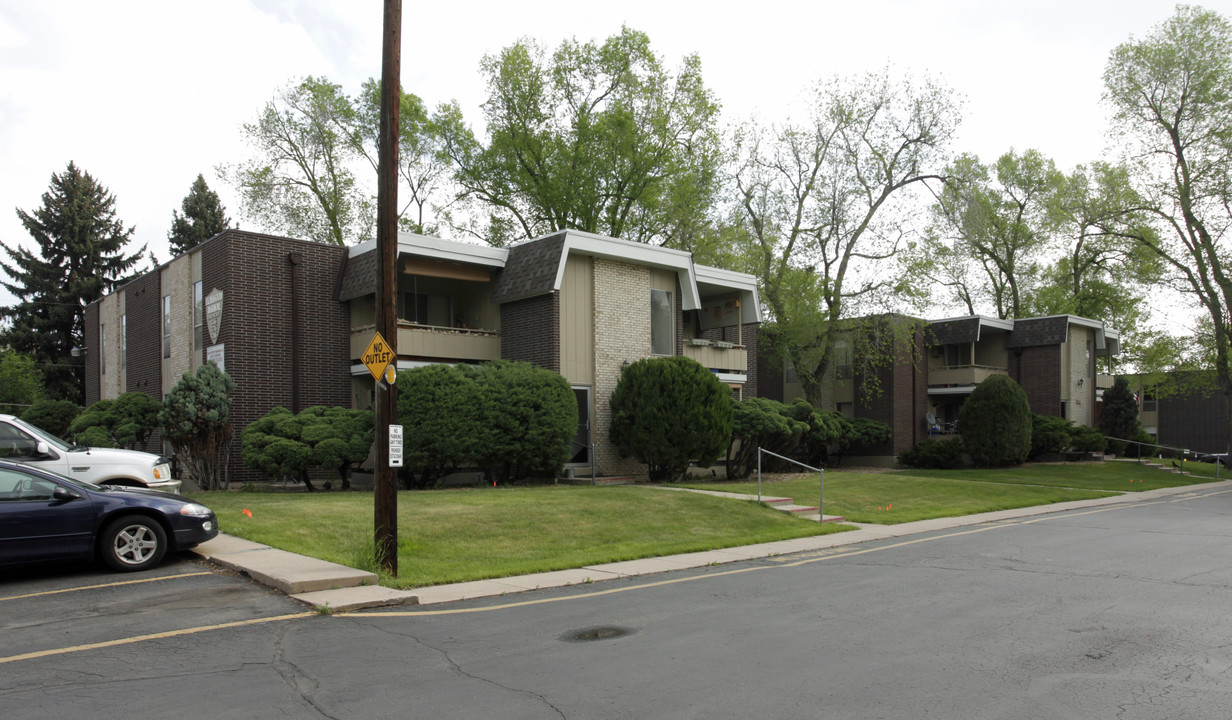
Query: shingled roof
(530, 269)
(1033, 332)
(359, 278)
(952, 332)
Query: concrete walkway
(327, 585)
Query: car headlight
(162, 472)
(195, 510)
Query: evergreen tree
(1119, 418)
(79, 257)
(203, 218)
(995, 423)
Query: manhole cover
(601, 632)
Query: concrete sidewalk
(327, 585)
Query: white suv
(33, 446)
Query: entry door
(580, 455)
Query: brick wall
(622, 334)
(530, 331)
(143, 301)
(902, 399)
(1038, 371)
(1196, 420)
(272, 365)
(177, 282)
(91, 340)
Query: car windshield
(41, 434)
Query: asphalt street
(1113, 612)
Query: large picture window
(662, 340)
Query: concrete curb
(331, 587)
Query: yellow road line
(737, 571)
(152, 636)
(104, 585)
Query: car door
(35, 525)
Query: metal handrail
(821, 493)
(1183, 451)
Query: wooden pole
(385, 511)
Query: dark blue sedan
(45, 517)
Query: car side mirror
(42, 449)
(63, 494)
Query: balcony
(432, 342)
(731, 359)
(963, 374)
(1104, 382)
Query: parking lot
(61, 608)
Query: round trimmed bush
(995, 423)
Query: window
(198, 319)
(662, 341)
(789, 373)
(166, 326)
(842, 361)
(123, 341)
(102, 349)
(957, 355)
(16, 444)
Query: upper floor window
(842, 361)
(958, 355)
(198, 318)
(102, 349)
(123, 341)
(166, 326)
(662, 340)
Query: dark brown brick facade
(530, 331)
(1195, 420)
(1038, 371)
(268, 283)
(143, 304)
(900, 399)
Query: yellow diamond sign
(378, 356)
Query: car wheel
(133, 543)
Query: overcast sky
(146, 95)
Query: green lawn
(908, 495)
(447, 536)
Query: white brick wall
(111, 382)
(622, 334)
(177, 282)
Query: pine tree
(79, 257)
(203, 218)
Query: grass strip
(448, 536)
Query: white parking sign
(395, 446)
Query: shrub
(762, 423)
(1087, 439)
(529, 419)
(439, 411)
(511, 419)
(127, 421)
(995, 423)
(329, 438)
(196, 420)
(668, 412)
(1050, 435)
(861, 433)
(934, 454)
(21, 382)
(54, 416)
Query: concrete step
(824, 518)
(794, 508)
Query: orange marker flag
(247, 512)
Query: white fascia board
(732, 377)
(634, 253)
(438, 249)
(744, 283)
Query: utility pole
(385, 511)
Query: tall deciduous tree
(998, 219)
(818, 205)
(203, 218)
(1172, 96)
(301, 181)
(80, 255)
(597, 137)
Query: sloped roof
(1033, 332)
(530, 269)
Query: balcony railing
(430, 341)
(963, 374)
(732, 359)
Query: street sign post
(395, 446)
